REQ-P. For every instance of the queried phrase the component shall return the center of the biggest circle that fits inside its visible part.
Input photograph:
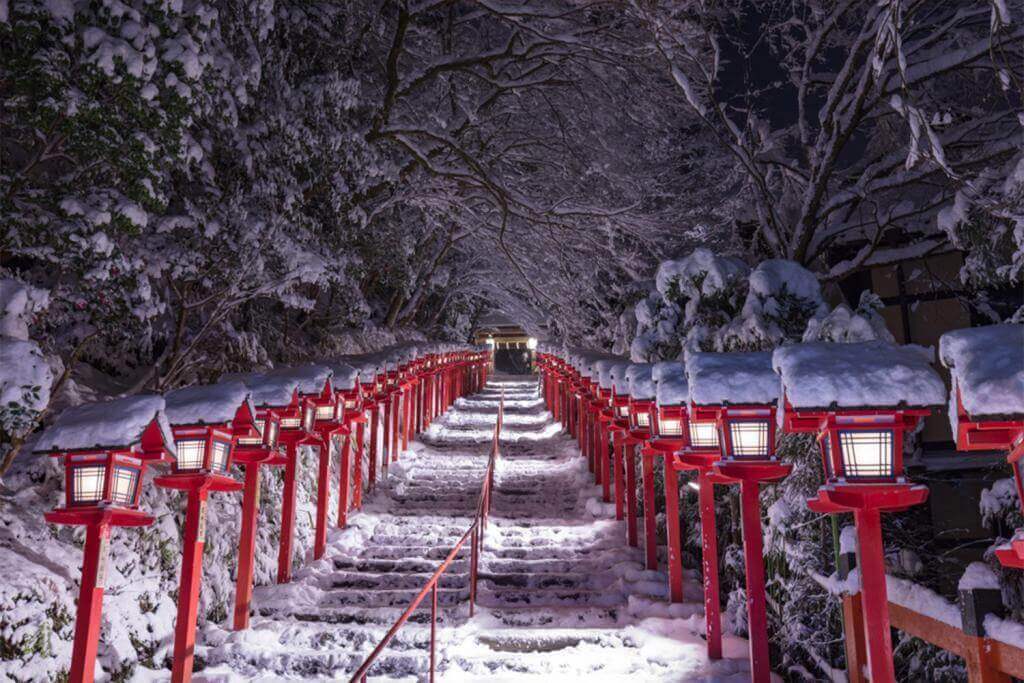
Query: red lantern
(205, 421)
(987, 368)
(739, 392)
(105, 448)
(290, 393)
(843, 392)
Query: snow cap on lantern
(739, 392)
(105, 447)
(642, 392)
(986, 402)
(670, 396)
(641, 383)
(860, 398)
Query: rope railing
(475, 535)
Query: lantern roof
(278, 387)
(605, 369)
(641, 384)
(619, 377)
(736, 378)
(345, 376)
(669, 378)
(119, 423)
(207, 403)
(872, 374)
(987, 366)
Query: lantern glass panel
(290, 422)
(749, 438)
(350, 404)
(623, 411)
(191, 454)
(219, 459)
(254, 440)
(670, 426)
(704, 434)
(643, 419)
(122, 487)
(867, 453)
(325, 412)
(87, 483)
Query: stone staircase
(560, 595)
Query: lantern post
(844, 393)
(103, 468)
(328, 422)
(700, 454)
(623, 448)
(642, 395)
(206, 421)
(291, 393)
(669, 432)
(983, 362)
(251, 451)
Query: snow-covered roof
(620, 381)
(641, 384)
(670, 383)
(873, 374)
(275, 388)
(987, 365)
(732, 378)
(345, 376)
(206, 403)
(605, 368)
(108, 424)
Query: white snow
(275, 388)
(773, 277)
(923, 600)
(641, 384)
(206, 403)
(732, 378)
(670, 379)
(1004, 630)
(978, 575)
(860, 375)
(607, 369)
(987, 365)
(107, 424)
(714, 273)
(345, 376)
(23, 368)
(18, 303)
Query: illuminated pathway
(561, 597)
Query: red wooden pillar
(618, 452)
(284, 553)
(631, 531)
(360, 423)
(709, 565)
(604, 455)
(650, 512)
(874, 596)
(345, 481)
(90, 602)
(394, 426)
(323, 493)
(753, 558)
(247, 546)
(672, 524)
(374, 436)
(188, 587)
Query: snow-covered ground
(561, 596)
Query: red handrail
(475, 535)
